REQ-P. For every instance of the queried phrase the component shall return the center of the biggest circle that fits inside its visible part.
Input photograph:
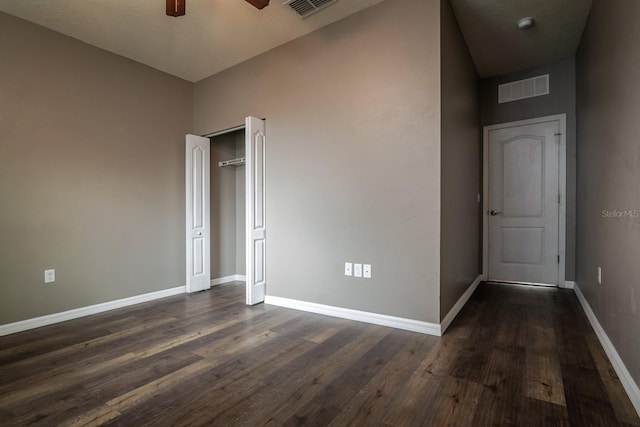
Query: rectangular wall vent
(304, 8)
(521, 89)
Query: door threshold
(515, 283)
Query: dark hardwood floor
(515, 356)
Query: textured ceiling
(212, 36)
(497, 45)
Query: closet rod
(233, 162)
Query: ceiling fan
(177, 7)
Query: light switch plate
(366, 271)
(348, 269)
(49, 276)
(357, 270)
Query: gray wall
(91, 174)
(609, 173)
(353, 157)
(461, 233)
(561, 99)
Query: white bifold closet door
(198, 196)
(255, 208)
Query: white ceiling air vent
(304, 8)
(521, 89)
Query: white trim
(360, 316)
(562, 209)
(485, 203)
(630, 386)
(36, 322)
(229, 279)
(522, 284)
(224, 131)
(451, 315)
(516, 283)
(562, 188)
(568, 284)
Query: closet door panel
(256, 221)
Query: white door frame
(562, 188)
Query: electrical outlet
(49, 276)
(348, 268)
(600, 275)
(357, 270)
(366, 271)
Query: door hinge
(558, 198)
(558, 259)
(557, 135)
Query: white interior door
(523, 203)
(198, 196)
(255, 139)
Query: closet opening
(226, 231)
(228, 208)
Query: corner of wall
(460, 160)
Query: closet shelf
(233, 162)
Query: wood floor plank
(86, 366)
(502, 380)
(327, 402)
(91, 358)
(587, 400)
(217, 383)
(294, 386)
(42, 343)
(512, 329)
(375, 398)
(542, 373)
(208, 360)
(103, 340)
(455, 403)
(620, 402)
(413, 399)
(75, 400)
(536, 413)
(518, 356)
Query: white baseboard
(229, 279)
(630, 386)
(36, 322)
(361, 316)
(458, 305)
(568, 285)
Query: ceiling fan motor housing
(176, 7)
(260, 4)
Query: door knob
(494, 213)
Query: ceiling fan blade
(260, 4)
(176, 7)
